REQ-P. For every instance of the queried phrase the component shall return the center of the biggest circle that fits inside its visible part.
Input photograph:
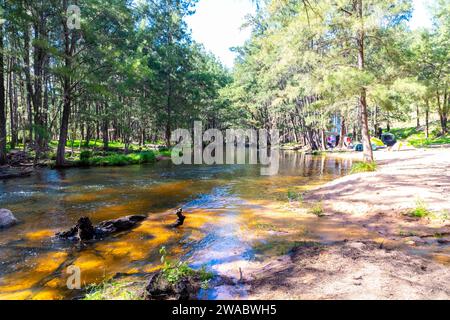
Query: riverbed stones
(85, 231)
(7, 219)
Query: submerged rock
(7, 219)
(85, 231)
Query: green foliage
(114, 159)
(317, 209)
(175, 271)
(112, 290)
(417, 138)
(85, 155)
(360, 167)
(420, 211)
(293, 195)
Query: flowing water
(227, 209)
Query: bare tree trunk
(367, 153)
(69, 46)
(418, 115)
(342, 133)
(2, 104)
(427, 120)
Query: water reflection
(222, 203)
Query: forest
(97, 96)
(132, 73)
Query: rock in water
(85, 231)
(159, 288)
(7, 218)
(180, 220)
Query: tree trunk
(105, 134)
(418, 116)
(67, 102)
(342, 133)
(2, 104)
(427, 120)
(367, 154)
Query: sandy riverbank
(389, 264)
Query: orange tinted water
(228, 208)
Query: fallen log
(85, 231)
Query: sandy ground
(386, 266)
(353, 270)
(379, 200)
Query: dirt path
(389, 265)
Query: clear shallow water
(222, 204)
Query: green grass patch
(87, 158)
(417, 138)
(294, 196)
(359, 167)
(317, 210)
(112, 291)
(420, 211)
(176, 271)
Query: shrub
(363, 167)
(420, 211)
(174, 272)
(85, 155)
(294, 196)
(147, 157)
(112, 160)
(317, 210)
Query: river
(226, 207)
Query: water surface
(223, 204)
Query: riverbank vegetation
(312, 64)
(130, 73)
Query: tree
(2, 99)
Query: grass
(359, 167)
(317, 210)
(294, 196)
(112, 290)
(92, 154)
(420, 211)
(86, 159)
(416, 137)
(174, 272)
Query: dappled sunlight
(234, 220)
(32, 273)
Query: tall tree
(2, 97)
